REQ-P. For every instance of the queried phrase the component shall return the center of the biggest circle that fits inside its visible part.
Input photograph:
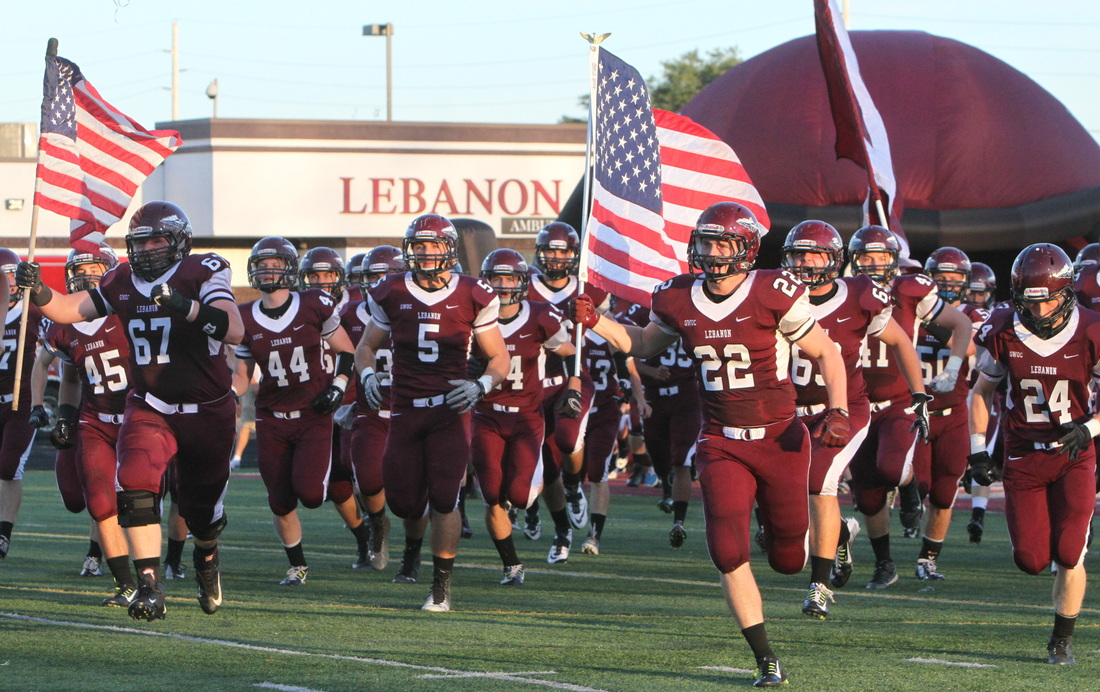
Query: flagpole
(594, 41)
(51, 52)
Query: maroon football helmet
(875, 239)
(557, 236)
(158, 220)
(1090, 254)
(1043, 272)
(819, 237)
(270, 279)
(323, 259)
(982, 280)
(353, 270)
(382, 260)
(726, 221)
(81, 282)
(507, 262)
(8, 262)
(949, 260)
(433, 228)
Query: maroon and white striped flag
(654, 172)
(91, 157)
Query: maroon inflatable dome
(985, 158)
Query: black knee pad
(137, 508)
(210, 533)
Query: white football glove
(945, 381)
(372, 389)
(345, 416)
(465, 395)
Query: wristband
(213, 321)
(68, 412)
(345, 364)
(342, 385)
(977, 443)
(1093, 426)
(43, 295)
(486, 384)
(953, 364)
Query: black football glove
(40, 417)
(167, 297)
(28, 276)
(328, 400)
(919, 407)
(981, 468)
(569, 405)
(1075, 439)
(64, 432)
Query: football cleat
(912, 510)
(559, 551)
(1060, 651)
(379, 542)
(295, 576)
(842, 565)
(817, 601)
(652, 479)
(677, 535)
(148, 603)
(409, 571)
(769, 673)
(467, 532)
(637, 476)
(576, 504)
(591, 545)
(886, 573)
(91, 567)
(362, 556)
(975, 528)
(210, 587)
(759, 538)
(513, 576)
(175, 571)
(665, 505)
(123, 597)
(513, 516)
(532, 527)
(5, 543)
(439, 597)
(927, 570)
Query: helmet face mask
(950, 268)
(813, 238)
(382, 260)
(77, 276)
(507, 263)
(268, 277)
(1043, 273)
(725, 241)
(323, 261)
(158, 239)
(557, 251)
(431, 245)
(874, 251)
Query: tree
(683, 78)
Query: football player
(177, 309)
(1049, 350)
(353, 273)
(1086, 256)
(16, 433)
(283, 331)
(983, 290)
(848, 310)
(885, 459)
(428, 316)
(736, 323)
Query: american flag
(654, 172)
(91, 157)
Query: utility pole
(175, 70)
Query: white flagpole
(594, 41)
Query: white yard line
(950, 663)
(284, 688)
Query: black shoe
(677, 535)
(409, 571)
(817, 601)
(123, 597)
(362, 556)
(759, 538)
(975, 528)
(148, 604)
(209, 579)
(467, 532)
(637, 476)
(842, 564)
(769, 673)
(5, 543)
(886, 573)
(1061, 651)
(912, 510)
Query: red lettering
(347, 198)
(486, 199)
(503, 199)
(555, 202)
(380, 195)
(444, 195)
(418, 195)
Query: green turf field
(640, 616)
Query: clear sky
(475, 61)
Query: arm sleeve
(487, 318)
(798, 320)
(219, 285)
(377, 315)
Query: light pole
(212, 94)
(387, 31)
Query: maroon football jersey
(915, 298)
(288, 349)
(171, 358)
(11, 345)
(354, 318)
(681, 369)
(740, 345)
(1087, 287)
(933, 359)
(537, 328)
(430, 331)
(601, 367)
(859, 308)
(99, 352)
(1048, 379)
(541, 293)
